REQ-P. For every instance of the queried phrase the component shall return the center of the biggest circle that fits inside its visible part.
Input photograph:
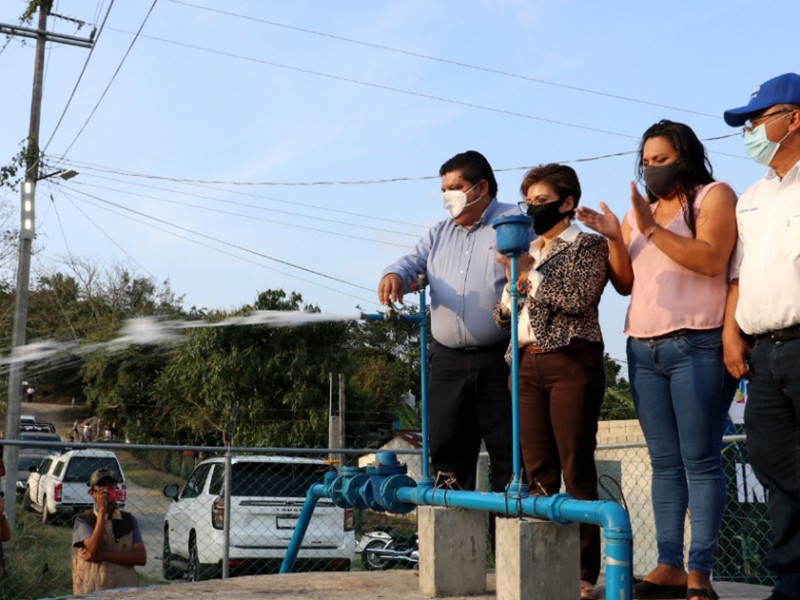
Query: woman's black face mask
(546, 216)
(661, 180)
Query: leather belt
(779, 335)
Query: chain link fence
(202, 513)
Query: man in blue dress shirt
(468, 383)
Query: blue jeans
(682, 392)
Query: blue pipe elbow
(315, 492)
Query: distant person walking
(31, 390)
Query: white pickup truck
(59, 485)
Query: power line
(384, 87)
(209, 183)
(263, 220)
(223, 242)
(80, 77)
(441, 60)
(210, 247)
(113, 77)
(212, 186)
(110, 239)
(247, 205)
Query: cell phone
(116, 495)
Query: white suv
(267, 495)
(59, 484)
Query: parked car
(37, 427)
(32, 456)
(267, 495)
(58, 485)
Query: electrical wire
(210, 247)
(110, 239)
(223, 242)
(208, 183)
(384, 87)
(80, 77)
(231, 213)
(441, 60)
(245, 204)
(201, 184)
(113, 77)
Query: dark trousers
(468, 400)
(560, 397)
(772, 422)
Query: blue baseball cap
(783, 89)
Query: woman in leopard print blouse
(561, 375)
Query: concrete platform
(357, 585)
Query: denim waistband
(674, 334)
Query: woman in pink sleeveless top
(671, 255)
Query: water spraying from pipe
(151, 331)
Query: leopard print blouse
(564, 307)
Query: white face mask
(455, 201)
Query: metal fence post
(226, 527)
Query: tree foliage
(618, 402)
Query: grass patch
(38, 559)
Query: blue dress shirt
(464, 278)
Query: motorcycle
(385, 548)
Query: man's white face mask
(455, 201)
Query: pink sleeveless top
(666, 296)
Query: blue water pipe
(386, 486)
(513, 238)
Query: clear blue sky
(279, 94)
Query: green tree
(385, 364)
(618, 401)
(278, 377)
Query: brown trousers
(560, 397)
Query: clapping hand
(605, 223)
(645, 220)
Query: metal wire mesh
(178, 499)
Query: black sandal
(645, 590)
(701, 593)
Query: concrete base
(537, 559)
(452, 548)
(362, 585)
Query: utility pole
(336, 420)
(27, 234)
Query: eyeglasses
(750, 124)
(525, 204)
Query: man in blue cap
(765, 299)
